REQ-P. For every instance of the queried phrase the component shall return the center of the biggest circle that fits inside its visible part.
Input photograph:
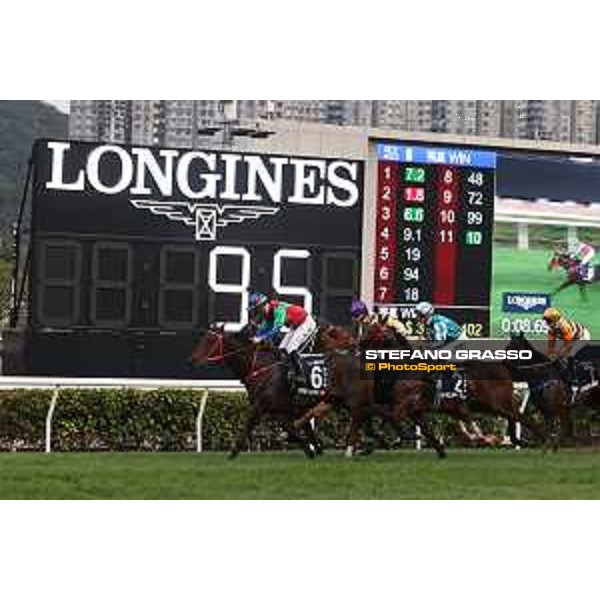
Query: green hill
(21, 122)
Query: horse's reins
(256, 372)
(222, 355)
(549, 364)
(545, 365)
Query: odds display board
(144, 247)
(434, 227)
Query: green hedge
(132, 420)
(165, 420)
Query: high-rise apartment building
(104, 120)
(513, 118)
(585, 122)
(390, 114)
(183, 123)
(488, 115)
(146, 122)
(178, 123)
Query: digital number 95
(241, 287)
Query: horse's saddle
(313, 376)
(585, 375)
(585, 272)
(452, 384)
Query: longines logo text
(206, 190)
(525, 302)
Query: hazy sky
(62, 105)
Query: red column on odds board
(385, 259)
(446, 238)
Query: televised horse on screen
(575, 273)
(265, 377)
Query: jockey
(270, 315)
(360, 313)
(559, 327)
(443, 330)
(584, 254)
(438, 328)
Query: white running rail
(9, 382)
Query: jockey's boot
(296, 364)
(570, 371)
(577, 374)
(387, 385)
(563, 367)
(292, 370)
(449, 382)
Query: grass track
(466, 474)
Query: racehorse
(585, 379)
(549, 390)
(266, 380)
(571, 265)
(489, 389)
(408, 399)
(412, 396)
(349, 389)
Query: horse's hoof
(233, 454)
(349, 452)
(442, 454)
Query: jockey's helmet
(425, 310)
(552, 315)
(358, 309)
(256, 300)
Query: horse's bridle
(222, 355)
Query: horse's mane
(339, 333)
(383, 333)
(540, 356)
